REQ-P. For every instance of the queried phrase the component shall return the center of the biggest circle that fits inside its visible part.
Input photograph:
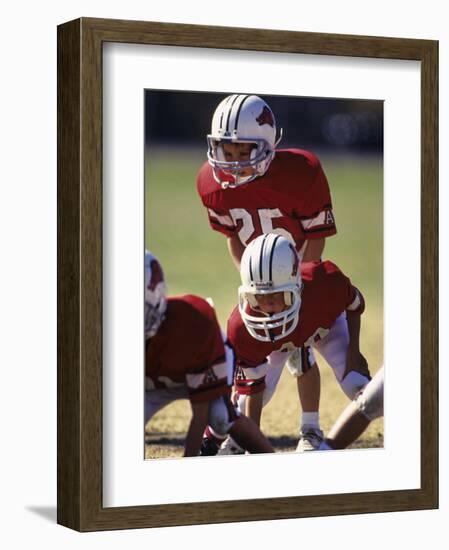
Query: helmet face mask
(270, 265)
(271, 326)
(261, 156)
(155, 295)
(242, 119)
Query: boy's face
(239, 152)
(271, 303)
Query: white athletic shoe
(309, 440)
(230, 447)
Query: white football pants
(333, 347)
(156, 399)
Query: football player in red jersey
(186, 358)
(249, 189)
(285, 311)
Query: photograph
(264, 310)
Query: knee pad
(353, 383)
(371, 401)
(222, 415)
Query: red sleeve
(356, 302)
(317, 218)
(218, 220)
(221, 222)
(349, 297)
(207, 379)
(250, 357)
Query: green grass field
(195, 260)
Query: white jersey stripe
(313, 222)
(216, 372)
(356, 303)
(223, 220)
(255, 373)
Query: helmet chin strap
(246, 179)
(260, 158)
(237, 180)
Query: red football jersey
(292, 198)
(188, 349)
(326, 293)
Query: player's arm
(357, 416)
(236, 249)
(253, 409)
(316, 215)
(248, 435)
(250, 381)
(355, 360)
(313, 250)
(200, 414)
(349, 426)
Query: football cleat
(309, 440)
(230, 447)
(209, 447)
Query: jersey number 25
(266, 215)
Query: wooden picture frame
(80, 274)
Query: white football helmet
(155, 295)
(242, 119)
(270, 264)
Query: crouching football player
(186, 358)
(285, 312)
(250, 187)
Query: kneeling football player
(285, 312)
(186, 358)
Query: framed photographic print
(136, 102)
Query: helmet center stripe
(238, 112)
(230, 111)
(261, 258)
(271, 257)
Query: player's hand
(234, 396)
(355, 361)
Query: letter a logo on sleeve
(329, 218)
(210, 377)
